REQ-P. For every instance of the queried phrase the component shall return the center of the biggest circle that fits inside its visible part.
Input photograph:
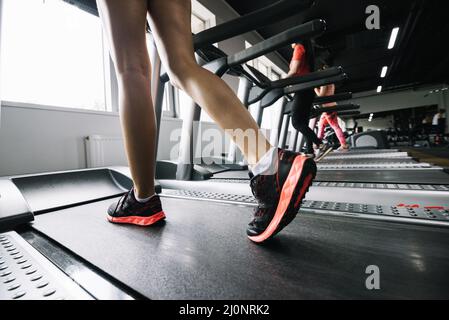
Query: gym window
(273, 72)
(53, 55)
(202, 19)
(265, 66)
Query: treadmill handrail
(315, 84)
(335, 98)
(339, 108)
(306, 30)
(309, 29)
(256, 77)
(317, 111)
(308, 78)
(252, 21)
(313, 76)
(249, 22)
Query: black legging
(302, 105)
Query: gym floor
(438, 156)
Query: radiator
(104, 151)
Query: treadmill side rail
(30, 276)
(14, 210)
(52, 191)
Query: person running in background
(437, 121)
(330, 118)
(302, 63)
(439, 125)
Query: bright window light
(202, 19)
(394, 36)
(379, 89)
(273, 72)
(384, 72)
(52, 54)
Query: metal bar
(252, 21)
(306, 30)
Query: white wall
(35, 140)
(42, 139)
(51, 139)
(376, 123)
(1, 15)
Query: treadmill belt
(201, 252)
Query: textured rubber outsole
(292, 212)
(323, 155)
(139, 221)
(287, 194)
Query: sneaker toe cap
(253, 231)
(112, 208)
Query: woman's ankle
(267, 164)
(141, 196)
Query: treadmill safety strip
(211, 196)
(334, 156)
(27, 275)
(379, 186)
(413, 214)
(401, 211)
(388, 186)
(379, 166)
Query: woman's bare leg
(170, 23)
(124, 24)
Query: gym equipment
(370, 139)
(182, 260)
(202, 252)
(254, 89)
(184, 169)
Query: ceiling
(418, 57)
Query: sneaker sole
(288, 191)
(139, 221)
(324, 155)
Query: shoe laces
(123, 201)
(259, 212)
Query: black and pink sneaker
(279, 196)
(129, 211)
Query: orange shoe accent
(307, 182)
(139, 221)
(286, 196)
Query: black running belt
(202, 253)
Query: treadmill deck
(201, 252)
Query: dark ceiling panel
(418, 58)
